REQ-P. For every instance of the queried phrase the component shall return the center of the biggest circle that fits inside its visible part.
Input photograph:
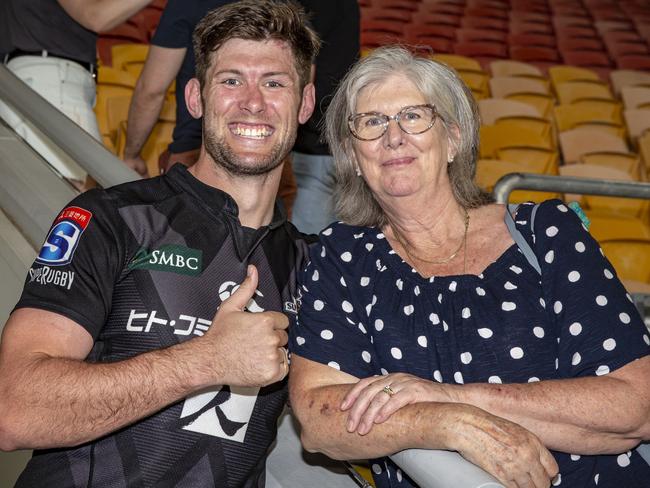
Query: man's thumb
(240, 298)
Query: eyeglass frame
(434, 116)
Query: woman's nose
(394, 135)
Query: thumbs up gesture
(246, 349)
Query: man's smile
(251, 131)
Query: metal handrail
(568, 184)
(89, 153)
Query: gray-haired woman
(461, 342)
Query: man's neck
(255, 195)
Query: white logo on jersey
(223, 411)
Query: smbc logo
(172, 258)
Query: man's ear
(193, 98)
(308, 103)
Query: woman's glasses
(414, 119)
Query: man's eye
(274, 84)
(230, 81)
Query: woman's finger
(352, 395)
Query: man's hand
(248, 348)
(138, 165)
(514, 455)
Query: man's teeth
(252, 132)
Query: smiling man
(160, 358)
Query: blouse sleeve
(329, 328)
(598, 327)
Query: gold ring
(388, 390)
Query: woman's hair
(257, 20)
(355, 203)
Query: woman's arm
(593, 415)
(502, 448)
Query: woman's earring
(450, 159)
(358, 171)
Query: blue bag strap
(519, 239)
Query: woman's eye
(374, 121)
(411, 116)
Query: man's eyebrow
(240, 73)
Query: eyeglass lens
(412, 120)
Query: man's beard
(223, 155)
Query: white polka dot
(318, 305)
(575, 360)
(322, 252)
(602, 369)
(435, 320)
(362, 328)
(369, 246)
(439, 297)
(342, 281)
(437, 376)
(515, 269)
(646, 339)
(575, 328)
(494, 379)
(601, 300)
(300, 340)
(574, 276)
(326, 334)
(580, 247)
(458, 377)
(596, 478)
(623, 317)
(508, 306)
(383, 371)
(396, 352)
(364, 281)
(445, 327)
(562, 208)
(399, 284)
(347, 307)
(381, 236)
(549, 257)
(557, 481)
(574, 457)
(466, 313)
(539, 332)
(327, 232)
(509, 286)
(346, 257)
(334, 364)
(552, 231)
(358, 236)
(608, 274)
(485, 333)
(376, 469)
(609, 344)
(533, 379)
(408, 310)
(517, 352)
(366, 356)
(315, 276)
(557, 306)
(480, 291)
(557, 363)
(452, 286)
(398, 475)
(623, 460)
(466, 357)
(422, 341)
(379, 324)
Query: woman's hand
(512, 454)
(369, 403)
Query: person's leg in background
(71, 89)
(313, 208)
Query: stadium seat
(560, 74)
(531, 39)
(635, 96)
(627, 162)
(534, 54)
(576, 142)
(630, 257)
(572, 116)
(502, 86)
(129, 57)
(509, 67)
(633, 61)
(536, 159)
(586, 58)
(473, 35)
(489, 171)
(637, 122)
(111, 83)
(492, 109)
(626, 77)
(571, 91)
(458, 62)
(580, 44)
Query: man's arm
(50, 397)
(606, 414)
(101, 15)
(500, 447)
(159, 70)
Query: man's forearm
(581, 416)
(55, 402)
(102, 15)
(143, 114)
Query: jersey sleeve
(329, 327)
(78, 264)
(599, 328)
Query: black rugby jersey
(143, 266)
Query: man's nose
(253, 99)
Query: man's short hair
(257, 20)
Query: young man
(132, 357)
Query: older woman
(463, 344)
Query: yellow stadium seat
(628, 77)
(533, 159)
(502, 86)
(630, 258)
(572, 91)
(111, 83)
(542, 102)
(508, 67)
(576, 142)
(458, 62)
(491, 109)
(129, 57)
(494, 137)
(630, 162)
(561, 74)
(637, 121)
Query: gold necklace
(463, 243)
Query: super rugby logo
(63, 238)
